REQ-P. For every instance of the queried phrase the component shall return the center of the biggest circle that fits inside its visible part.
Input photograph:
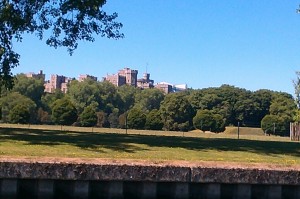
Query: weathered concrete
(245, 176)
(149, 173)
(54, 180)
(63, 171)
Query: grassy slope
(151, 145)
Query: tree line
(101, 104)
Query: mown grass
(57, 141)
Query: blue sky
(203, 43)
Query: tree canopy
(65, 22)
(176, 111)
(64, 112)
(206, 120)
(10, 105)
(101, 104)
(32, 88)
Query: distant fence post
(291, 130)
(295, 131)
(238, 130)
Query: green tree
(296, 84)
(231, 103)
(49, 98)
(88, 117)
(219, 123)
(283, 106)
(263, 98)
(19, 114)
(127, 94)
(206, 120)
(149, 99)
(13, 100)
(66, 22)
(234, 104)
(109, 98)
(83, 94)
(153, 120)
(205, 99)
(175, 109)
(30, 87)
(272, 124)
(64, 112)
(136, 118)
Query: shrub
(206, 120)
(273, 124)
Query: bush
(206, 120)
(219, 125)
(273, 124)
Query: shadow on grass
(121, 142)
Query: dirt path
(100, 161)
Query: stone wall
(150, 173)
(30, 179)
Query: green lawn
(51, 141)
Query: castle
(123, 77)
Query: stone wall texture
(146, 173)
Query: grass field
(60, 141)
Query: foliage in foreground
(65, 22)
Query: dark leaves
(67, 21)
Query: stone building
(83, 77)
(57, 82)
(165, 87)
(40, 75)
(124, 76)
(145, 82)
(115, 79)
